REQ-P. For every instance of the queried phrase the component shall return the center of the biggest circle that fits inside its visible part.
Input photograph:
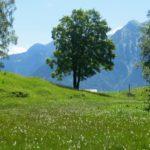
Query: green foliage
(7, 34)
(82, 46)
(145, 46)
(59, 118)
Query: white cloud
(17, 50)
(114, 30)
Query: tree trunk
(78, 82)
(74, 80)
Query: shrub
(20, 94)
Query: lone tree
(7, 34)
(145, 46)
(82, 46)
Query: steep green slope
(35, 114)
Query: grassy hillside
(35, 114)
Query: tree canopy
(7, 33)
(82, 46)
(145, 46)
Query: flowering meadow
(35, 114)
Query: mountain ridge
(32, 63)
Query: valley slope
(36, 114)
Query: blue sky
(34, 19)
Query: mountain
(27, 63)
(127, 57)
(32, 62)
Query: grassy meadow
(35, 114)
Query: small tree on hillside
(82, 46)
(7, 34)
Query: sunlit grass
(45, 116)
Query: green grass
(35, 114)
